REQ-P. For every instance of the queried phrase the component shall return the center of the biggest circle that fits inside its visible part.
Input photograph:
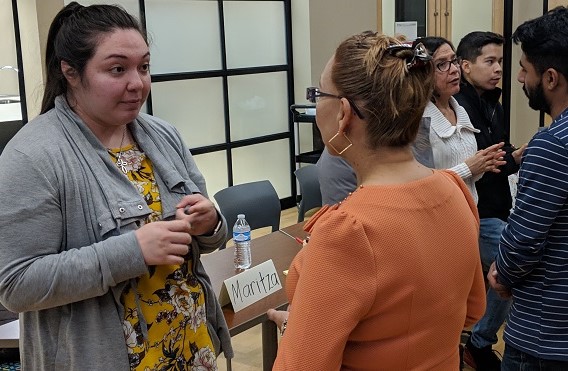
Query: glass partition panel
(10, 107)
(258, 105)
(250, 164)
(195, 107)
(213, 166)
(9, 85)
(184, 35)
(255, 33)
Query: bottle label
(242, 236)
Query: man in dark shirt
(481, 54)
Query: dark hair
(544, 40)
(73, 37)
(432, 43)
(391, 91)
(471, 44)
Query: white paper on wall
(408, 29)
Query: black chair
(7, 130)
(309, 188)
(257, 200)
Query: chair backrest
(309, 188)
(257, 200)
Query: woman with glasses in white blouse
(446, 137)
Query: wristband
(217, 227)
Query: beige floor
(248, 351)
(248, 345)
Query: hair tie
(418, 58)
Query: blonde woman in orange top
(392, 274)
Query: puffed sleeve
(334, 291)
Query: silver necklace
(120, 162)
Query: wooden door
(439, 18)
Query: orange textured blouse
(388, 281)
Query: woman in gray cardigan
(104, 215)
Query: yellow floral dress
(170, 297)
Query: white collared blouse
(441, 145)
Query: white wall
(524, 120)
(331, 21)
(318, 26)
(388, 17)
(468, 16)
(301, 48)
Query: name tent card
(250, 286)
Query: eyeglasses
(313, 93)
(445, 66)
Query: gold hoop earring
(346, 147)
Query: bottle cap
(241, 216)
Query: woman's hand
(488, 159)
(199, 212)
(278, 317)
(164, 242)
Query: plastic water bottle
(241, 236)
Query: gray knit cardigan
(67, 243)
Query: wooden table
(219, 266)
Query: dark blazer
(486, 114)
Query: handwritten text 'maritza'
(264, 285)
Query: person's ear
(345, 115)
(347, 109)
(550, 79)
(466, 66)
(70, 73)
